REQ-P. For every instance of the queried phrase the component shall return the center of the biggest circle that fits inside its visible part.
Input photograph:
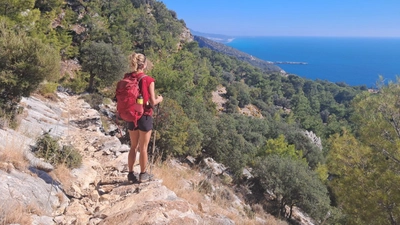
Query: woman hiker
(140, 135)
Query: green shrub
(25, 63)
(108, 93)
(294, 184)
(104, 123)
(107, 101)
(205, 187)
(78, 84)
(72, 158)
(48, 148)
(94, 100)
(103, 61)
(249, 212)
(47, 88)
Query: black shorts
(145, 123)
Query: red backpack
(129, 107)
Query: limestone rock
(22, 188)
(216, 168)
(86, 175)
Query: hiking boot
(143, 177)
(132, 178)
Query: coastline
(221, 40)
(229, 40)
(354, 61)
(288, 62)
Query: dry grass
(7, 122)
(12, 156)
(182, 182)
(74, 112)
(34, 209)
(62, 174)
(13, 213)
(65, 114)
(5, 166)
(4, 122)
(60, 196)
(185, 183)
(51, 96)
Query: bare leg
(134, 136)
(144, 139)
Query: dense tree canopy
(366, 164)
(293, 184)
(104, 61)
(24, 63)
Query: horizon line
(275, 35)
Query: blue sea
(355, 60)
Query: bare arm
(153, 99)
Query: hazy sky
(290, 17)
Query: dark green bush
(47, 147)
(78, 84)
(25, 63)
(72, 158)
(205, 187)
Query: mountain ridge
(266, 66)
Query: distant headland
(287, 62)
(224, 39)
(221, 40)
(221, 47)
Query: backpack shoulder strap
(140, 83)
(141, 77)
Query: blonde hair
(137, 61)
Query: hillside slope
(97, 191)
(219, 47)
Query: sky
(335, 18)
